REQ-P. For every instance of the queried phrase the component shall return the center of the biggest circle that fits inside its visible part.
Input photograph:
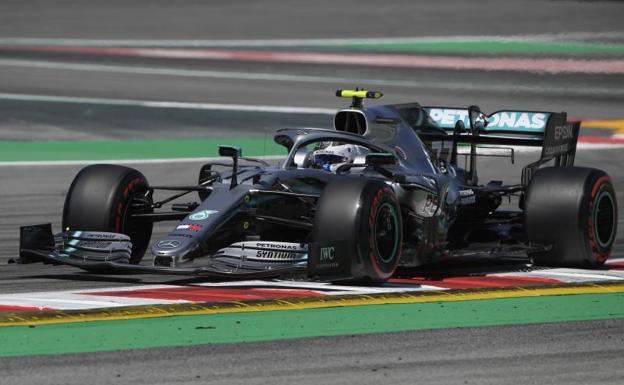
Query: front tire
(100, 199)
(574, 209)
(364, 216)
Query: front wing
(110, 253)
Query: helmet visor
(322, 159)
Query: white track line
(413, 61)
(569, 275)
(123, 161)
(302, 42)
(79, 301)
(324, 287)
(442, 85)
(167, 104)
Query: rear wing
(550, 130)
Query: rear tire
(574, 209)
(99, 199)
(365, 215)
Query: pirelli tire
(574, 211)
(101, 198)
(365, 214)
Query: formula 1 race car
(381, 190)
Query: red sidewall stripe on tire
(126, 191)
(371, 240)
(598, 255)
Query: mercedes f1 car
(381, 190)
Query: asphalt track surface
(564, 353)
(585, 96)
(583, 352)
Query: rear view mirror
(230, 152)
(353, 121)
(234, 153)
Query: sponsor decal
(507, 120)
(564, 132)
(467, 197)
(98, 235)
(189, 227)
(556, 150)
(284, 255)
(447, 117)
(430, 207)
(94, 244)
(181, 235)
(329, 258)
(168, 244)
(266, 251)
(278, 246)
(202, 215)
(502, 120)
(560, 137)
(400, 152)
(327, 253)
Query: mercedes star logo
(168, 244)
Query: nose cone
(172, 246)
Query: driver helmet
(331, 157)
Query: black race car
(381, 190)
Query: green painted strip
(491, 47)
(13, 151)
(277, 325)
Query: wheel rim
(604, 219)
(386, 232)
